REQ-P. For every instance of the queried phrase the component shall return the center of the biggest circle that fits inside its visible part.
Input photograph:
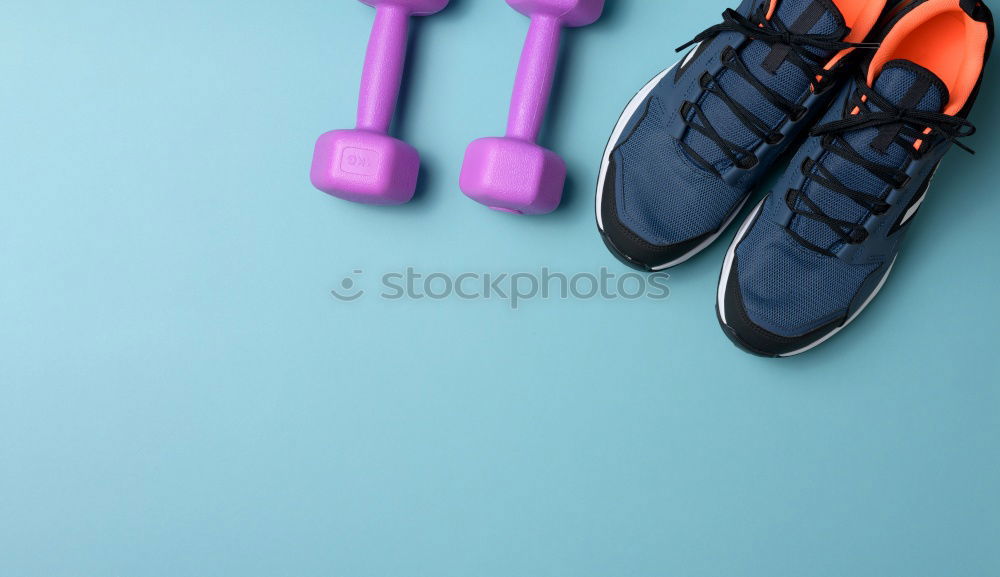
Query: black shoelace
(806, 51)
(874, 111)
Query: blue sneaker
(694, 142)
(816, 251)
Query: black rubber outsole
(622, 257)
(735, 339)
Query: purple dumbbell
(366, 164)
(513, 173)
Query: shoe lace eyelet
(859, 235)
(902, 182)
(798, 113)
(748, 162)
(774, 138)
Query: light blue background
(182, 396)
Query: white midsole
(727, 264)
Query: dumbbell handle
(383, 72)
(535, 74)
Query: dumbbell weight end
(367, 165)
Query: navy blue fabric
(789, 289)
(790, 82)
(662, 195)
(893, 83)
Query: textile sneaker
(695, 141)
(815, 252)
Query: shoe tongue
(770, 65)
(911, 86)
(811, 16)
(803, 17)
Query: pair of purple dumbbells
(511, 174)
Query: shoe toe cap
(750, 336)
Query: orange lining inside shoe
(771, 9)
(942, 38)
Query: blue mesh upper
(789, 289)
(664, 197)
(893, 83)
(789, 81)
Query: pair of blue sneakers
(867, 96)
